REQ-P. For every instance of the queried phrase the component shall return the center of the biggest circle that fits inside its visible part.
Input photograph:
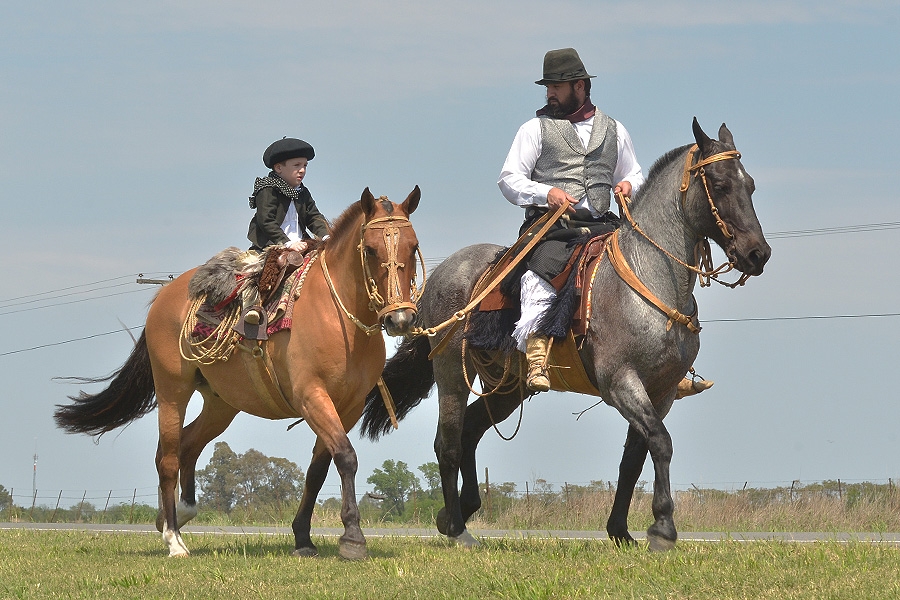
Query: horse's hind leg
(172, 400)
(315, 478)
(633, 457)
(452, 396)
(212, 421)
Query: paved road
(690, 536)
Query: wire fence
(139, 505)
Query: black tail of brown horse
(130, 395)
(409, 377)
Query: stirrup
(690, 387)
(250, 330)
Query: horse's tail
(409, 376)
(130, 395)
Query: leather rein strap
(620, 264)
(542, 226)
(702, 252)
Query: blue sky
(131, 135)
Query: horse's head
(389, 250)
(728, 215)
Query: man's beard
(559, 110)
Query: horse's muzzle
(399, 322)
(752, 259)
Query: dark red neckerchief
(584, 113)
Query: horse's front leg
(325, 422)
(633, 457)
(315, 478)
(478, 420)
(630, 398)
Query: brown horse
(323, 368)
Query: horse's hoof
(306, 552)
(662, 536)
(352, 550)
(442, 521)
(466, 540)
(179, 553)
(623, 541)
(184, 513)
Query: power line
(81, 285)
(706, 321)
(834, 230)
(88, 337)
(802, 318)
(9, 312)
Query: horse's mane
(348, 219)
(660, 165)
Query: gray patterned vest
(565, 162)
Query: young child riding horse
(285, 210)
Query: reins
(536, 231)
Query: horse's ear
(725, 136)
(412, 201)
(703, 140)
(367, 201)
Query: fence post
(840, 491)
(106, 506)
(80, 506)
(487, 492)
(53, 518)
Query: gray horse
(633, 353)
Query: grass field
(80, 564)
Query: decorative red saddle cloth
(279, 307)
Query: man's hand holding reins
(556, 198)
(624, 188)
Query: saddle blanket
(279, 307)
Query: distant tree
(395, 481)
(431, 471)
(218, 481)
(5, 498)
(232, 479)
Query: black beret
(286, 149)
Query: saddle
(565, 367)
(582, 265)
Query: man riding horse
(570, 154)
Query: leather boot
(536, 348)
(689, 387)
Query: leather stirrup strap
(262, 373)
(628, 276)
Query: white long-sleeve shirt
(515, 178)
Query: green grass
(78, 564)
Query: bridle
(390, 231)
(702, 253)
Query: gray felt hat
(563, 65)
